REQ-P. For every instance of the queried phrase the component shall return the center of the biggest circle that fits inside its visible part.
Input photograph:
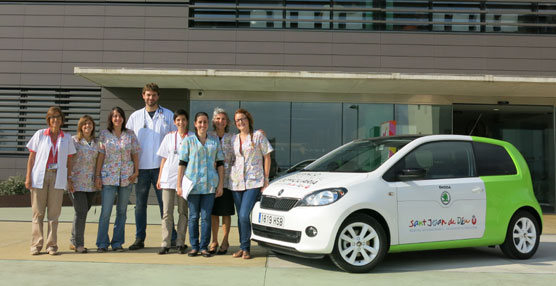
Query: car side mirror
(412, 174)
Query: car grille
(277, 233)
(279, 204)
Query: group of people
(204, 172)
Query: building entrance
(529, 128)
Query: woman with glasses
(47, 173)
(249, 174)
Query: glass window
(274, 119)
(493, 160)
(208, 107)
(316, 129)
(364, 120)
(359, 156)
(437, 160)
(423, 119)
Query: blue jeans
(245, 201)
(147, 177)
(200, 204)
(109, 194)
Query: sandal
(205, 253)
(238, 254)
(246, 255)
(222, 251)
(193, 253)
(212, 249)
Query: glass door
(529, 128)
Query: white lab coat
(170, 149)
(150, 132)
(41, 144)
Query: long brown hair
(249, 118)
(80, 124)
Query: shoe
(81, 249)
(222, 251)
(101, 250)
(163, 250)
(213, 248)
(138, 244)
(246, 255)
(193, 253)
(53, 252)
(35, 252)
(205, 253)
(181, 249)
(118, 249)
(72, 246)
(238, 254)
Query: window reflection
(316, 129)
(423, 119)
(208, 106)
(364, 120)
(274, 119)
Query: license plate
(271, 220)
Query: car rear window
(493, 160)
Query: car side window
(436, 160)
(493, 160)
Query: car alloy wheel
(522, 238)
(360, 244)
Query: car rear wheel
(360, 244)
(522, 237)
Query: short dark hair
(181, 112)
(152, 87)
(118, 109)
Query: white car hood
(300, 184)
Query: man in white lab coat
(150, 124)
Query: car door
(448, 200)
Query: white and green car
(402, 193)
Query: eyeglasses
(241, 119)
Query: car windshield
(359, 156)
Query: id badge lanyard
(54, 150)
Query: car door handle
(477, 190)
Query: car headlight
(322, 197)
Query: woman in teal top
(198, 155)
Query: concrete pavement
(471, 266)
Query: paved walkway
(472, 266)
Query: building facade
(315, 74)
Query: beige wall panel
(212, 35)
(260, 47)
(356, 37)
(166, 46)
(211, 47)
(43, 32)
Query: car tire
(522, 236)
(360, 244)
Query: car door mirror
(411, 174)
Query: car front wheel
(360, 244)
(522, 237)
